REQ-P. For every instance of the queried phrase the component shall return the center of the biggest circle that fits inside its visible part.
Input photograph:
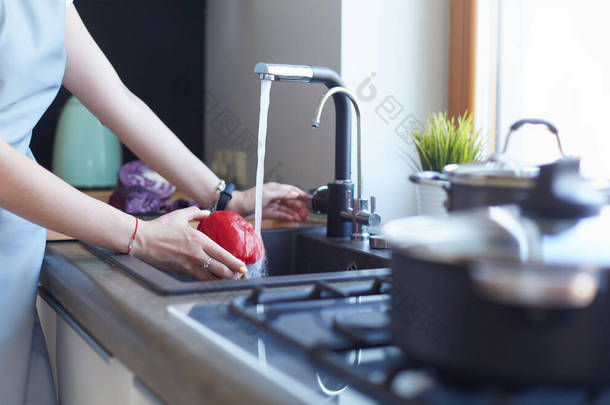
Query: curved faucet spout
(318, 114)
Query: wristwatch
(219, 189)
(225, 197)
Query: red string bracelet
(133, 239)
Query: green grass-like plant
(443, 141)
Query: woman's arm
(32, 192)
(169, 242)
(92, 79)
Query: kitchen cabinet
(83, 371)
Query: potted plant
(442, 141)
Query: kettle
(86, 154)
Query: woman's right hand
(171, 244)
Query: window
(546, 59)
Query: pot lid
(500, 170)
(504, 234)
(495, 172)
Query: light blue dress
(32, 62)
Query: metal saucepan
(510, 294)
(495, 181)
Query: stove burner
(368, 328)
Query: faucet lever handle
(373, 204)
(363, 205)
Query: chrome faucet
(359, 212)
(285, 73)
(339, 191)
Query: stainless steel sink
(304, 251)
(281, 245)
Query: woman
(38, 39)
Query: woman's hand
(280, 201)
(170, 243)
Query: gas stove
(333, 338)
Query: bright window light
(553, 62)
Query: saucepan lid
(503, 234)
(500, 170)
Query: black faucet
(341, 190)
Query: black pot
(441, 319)
(517, 295)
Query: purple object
(141, 190)
(136, 200)
(137, 173)
(178, 204)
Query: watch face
(221, 186)
(217, 194)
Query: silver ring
(206, 265)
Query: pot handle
(534, 121)
(535, 286)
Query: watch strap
(225, 196)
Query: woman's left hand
(280, 201)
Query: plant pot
(430, 193)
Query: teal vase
(86, 154)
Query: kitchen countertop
(131, 322)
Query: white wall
(394, 54)
(241, 33)
(403, 42)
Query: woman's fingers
(220, 255)
(217, 269)
(204, 267)
(274, 191)
(271, 192)
(273, 213)
(294, 215)
(193, 213)
(297, 193)
(286, 210)
(203, 275)
(298, 207)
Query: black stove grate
(357, 321)
(339, 325)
